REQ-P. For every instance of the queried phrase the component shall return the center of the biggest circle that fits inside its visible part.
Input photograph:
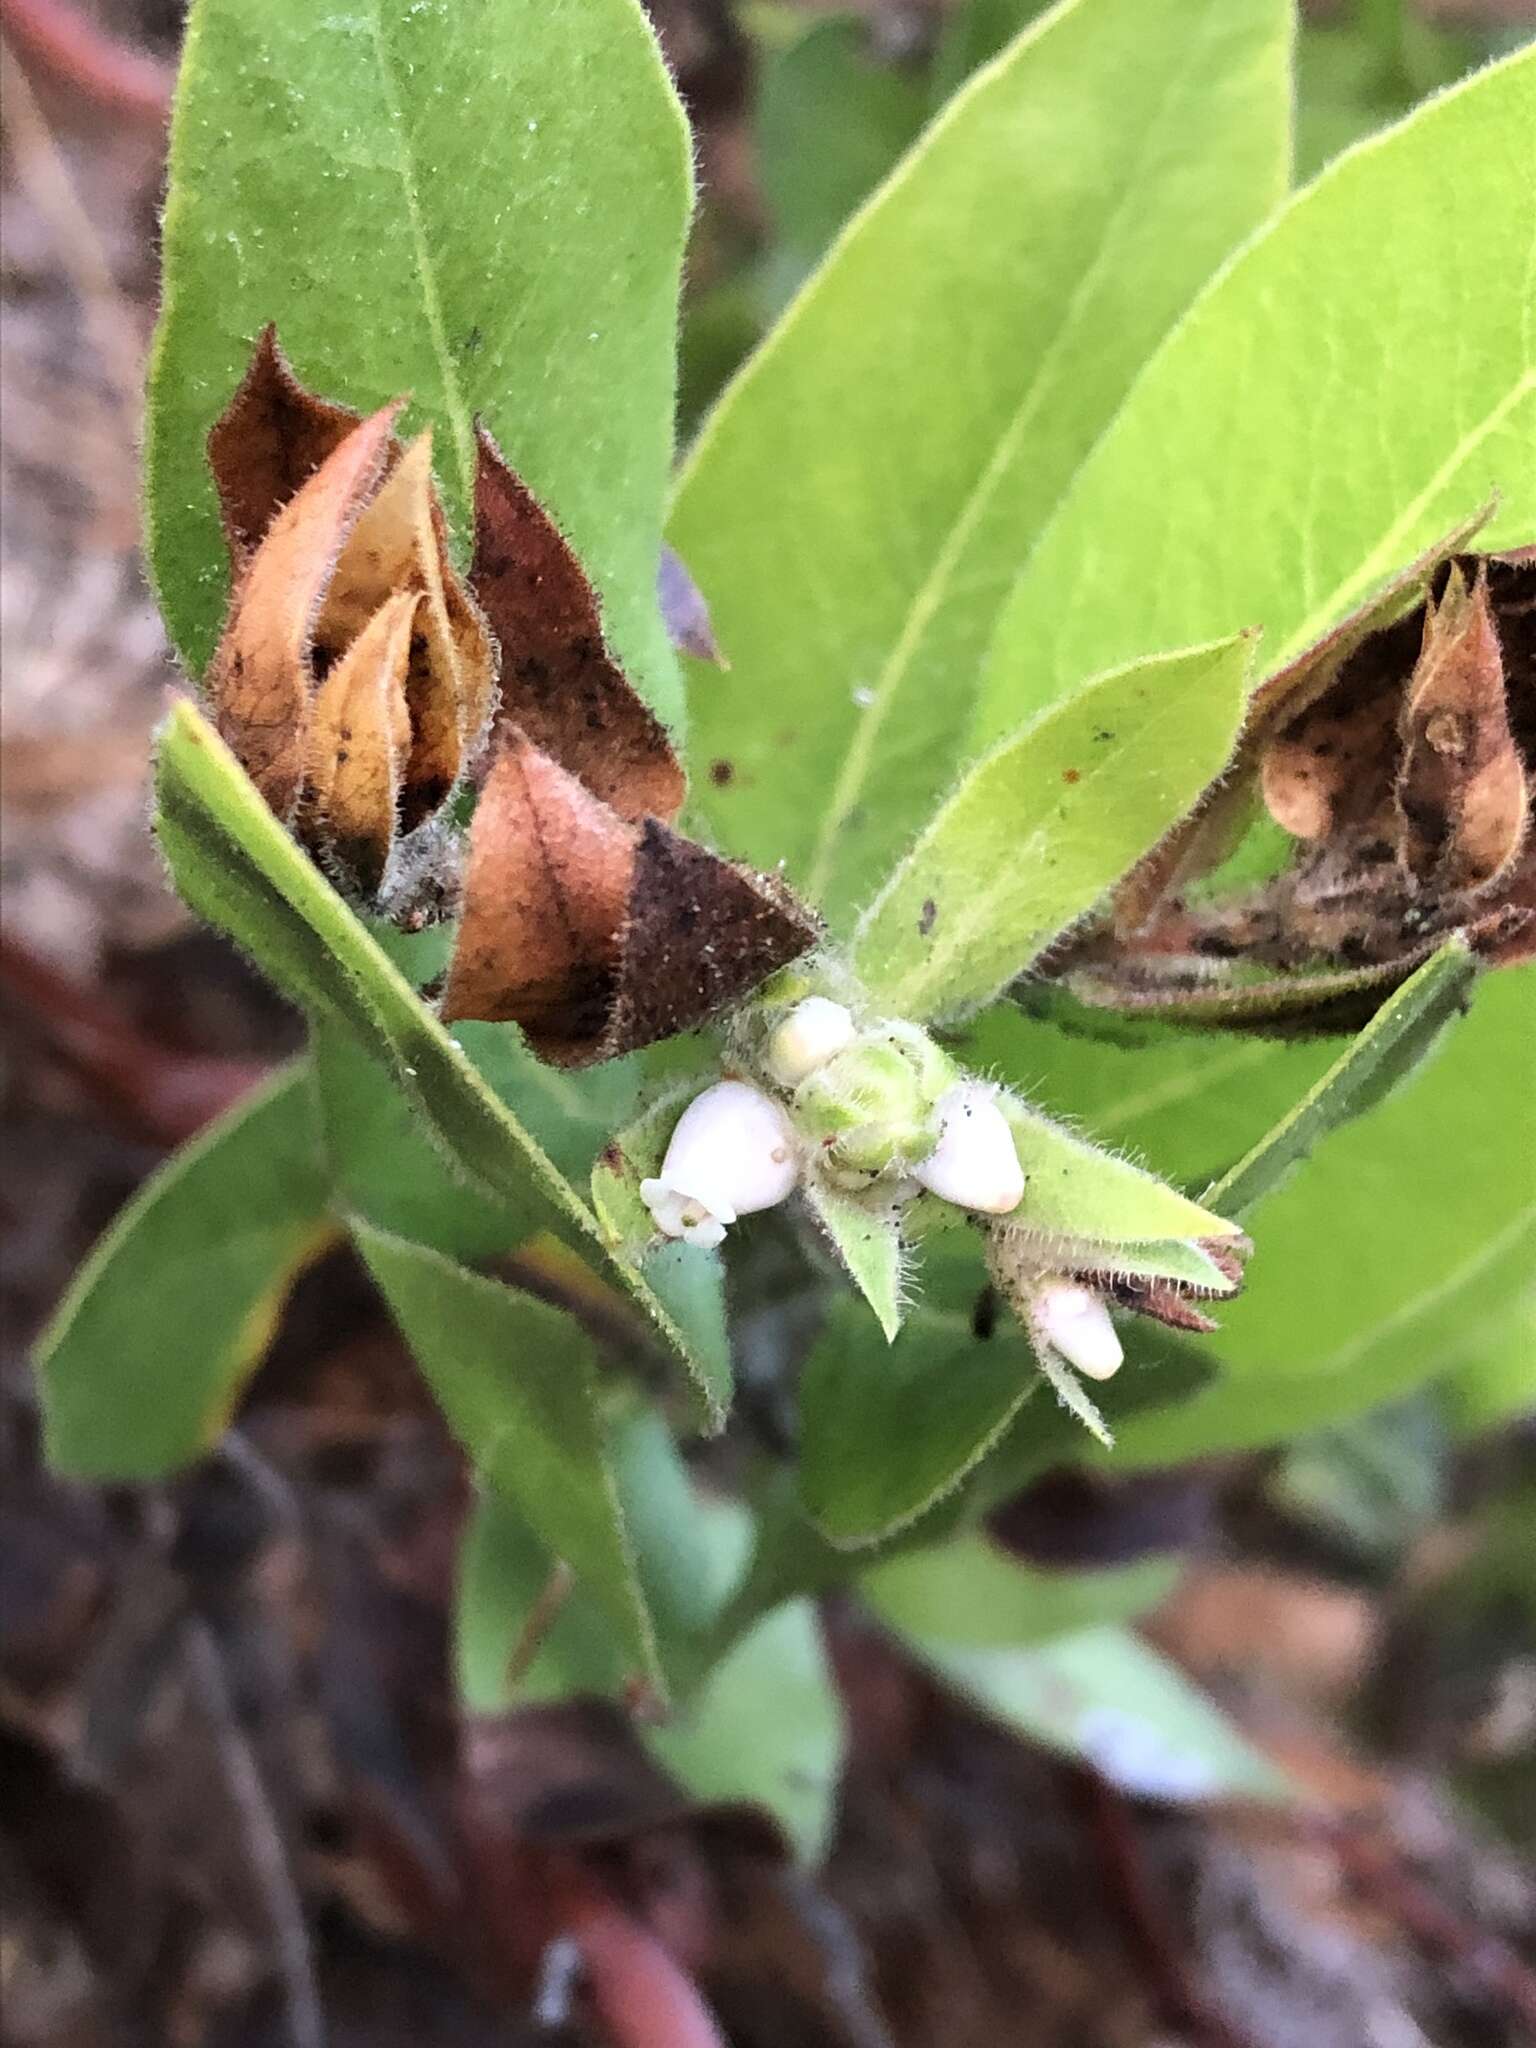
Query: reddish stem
(73, 51)
(642, 1995)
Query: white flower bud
(814, 1032)
(975, 1163)
(732, 1152)
(1073, 1321)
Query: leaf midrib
(454, 402)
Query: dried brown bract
(355, 675)
(559, 683)
(1400, 753)
(597, 935)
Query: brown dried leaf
(260, 681)
(1332, 766)
(559, 683)
(593, 935)
(546, 893)
(359, 738)
(271, 438)
(1200, 842)
(399, 544)
(1461, 793)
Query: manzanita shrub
(1036, 933)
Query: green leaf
(1074, 1189)
(1496, 1379)
(522, 1636)
(860, 501)
(517, 1381)
(1408, 1231)
(524, 1631)
(766, 1726)
(1163, 1373)
(151, 1346)
(971, 1594)
(832, 118)
(868, 1246)
(237, 867)
(1036, 832)
(1192, 1101)
(888, 1431)
(480, 202)
(1108, 1698)
(385, 1167)
(1391, 1045)
(1317, 419)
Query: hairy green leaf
(148, 1351)
(480, 202)
(1391, 1045)
(1036, 832)
(888, 1430)
(868, 1247)
(1073, 1189)
(523, 1635)
(860, 501)
(1319, 417)
(1409, 1229)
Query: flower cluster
(881, 1107)
(876, 1115)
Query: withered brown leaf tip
(355, 675)
(356, 679)
(1400, 751)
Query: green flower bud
(867, 1111)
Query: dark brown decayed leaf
(1323, 770)
(595, 935)
(260, 679)
(1460, 789)
(271, 438)
(702, 932)
(559, 684)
